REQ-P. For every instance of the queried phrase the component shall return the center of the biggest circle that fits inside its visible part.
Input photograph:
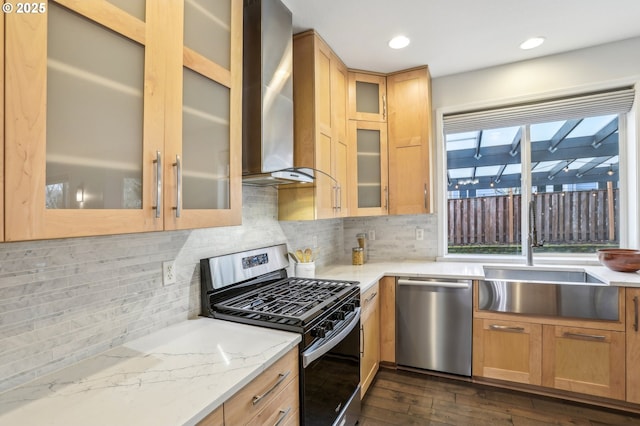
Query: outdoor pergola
(563, 152)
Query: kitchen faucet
(533, 233)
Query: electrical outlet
(419, 234)
(168, 272)
(372, 235)
(315, 241)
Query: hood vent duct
(267, 141)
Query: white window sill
(541, 259)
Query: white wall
(571, 72)
(580, 71)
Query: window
(556, 172)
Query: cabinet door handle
(635, 317)
(283, 415)
(386, 198)
(583, 336)
(362, 341)
(281, 377)
(158, 163)
(426, 196)
(178, 166)
(339, 198)
(506, 328)
(384, 107)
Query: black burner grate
(294, 301)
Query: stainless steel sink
(539, 275)
(568, 293)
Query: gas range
(266, 297)
(253, 288)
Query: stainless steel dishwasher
(433, 324)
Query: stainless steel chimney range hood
(267, 129)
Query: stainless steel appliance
(252, 287)
(267, 114)
(433, 324)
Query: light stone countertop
(369, 273)
(178, 375)
(175, 376)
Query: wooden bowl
(621, 260)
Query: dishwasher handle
(446, 284)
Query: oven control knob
(328, 325)
(339, 316)
(349, 307)
(318, 332)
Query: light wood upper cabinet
(367, 96)
(203, 138)
(2, 128)
(409, 124)
(320, 132)
(368, 165)
(633, 344)
(94, 127)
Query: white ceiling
(453, 36)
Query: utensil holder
(305, 269)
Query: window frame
(629, 152)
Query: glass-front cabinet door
(369, 161)
(367, 97)
(93, 119)
(81, 107)
(204, 155)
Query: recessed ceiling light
(399, 42)
(531, 43)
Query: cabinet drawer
(282, 409)
(215, 418)
(368, 301)
(251, 399)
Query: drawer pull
(583, 336)
(281, 378)
(283, 415)
(506, 328)
(370, 298)
(635, 318)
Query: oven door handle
(313, 354)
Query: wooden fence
(561, 217)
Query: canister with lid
(357, 256)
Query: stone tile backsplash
(395, 237)
(65, 300)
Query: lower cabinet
(584, 360)
(271, 398)
(507, 350)
(633, 344)
(388, 320)
(565, 357)
(370, 343)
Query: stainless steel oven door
(330, 378)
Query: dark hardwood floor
(406, 398)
